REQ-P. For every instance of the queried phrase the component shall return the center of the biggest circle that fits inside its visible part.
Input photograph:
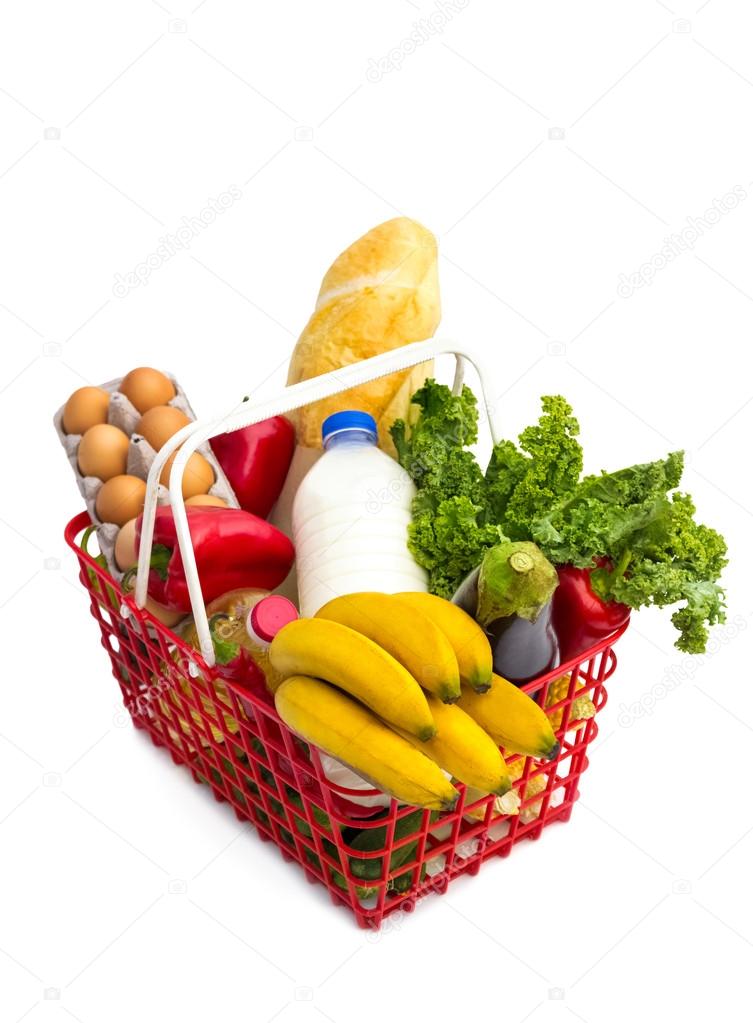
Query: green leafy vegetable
(646, 529)
(633, 526)
(523, 483)
(450, 529)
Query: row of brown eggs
(103, 450)
(144, 387)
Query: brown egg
(198, 476)
(86, 407)
(103, 452)
(145, 388)
(206, 499)
(160, 423)
(121, 498)
(125, 552)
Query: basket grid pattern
(235, 743)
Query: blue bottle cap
(349, 419)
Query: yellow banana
(342, 656)
(512, 719)
(407, 633)
(345, 729)
(468, 639)
(463, 748)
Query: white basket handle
(245, 413)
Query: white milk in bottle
(350, 518)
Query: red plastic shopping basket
(234, 741)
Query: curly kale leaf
(449, 534)
(675, 560)
(434, 454)
(523, 484)
(657, 553)
(600, 517)
(449, 541)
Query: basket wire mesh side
(235, 743)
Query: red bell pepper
(256, 460)
(233, 548)
(581, 618)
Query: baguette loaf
(381, 293)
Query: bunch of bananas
(401, 688)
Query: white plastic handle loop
(190, 437)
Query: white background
(641, 904)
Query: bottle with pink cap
(242, 624)
(263, 622)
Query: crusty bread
(381, 293)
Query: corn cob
(504, 806)
(582, 706)
(533, 787)
(509, 804)
(220, 690)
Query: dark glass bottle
(521, 650)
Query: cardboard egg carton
(121, 413)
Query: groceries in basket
(451, 625)
(356, 694)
